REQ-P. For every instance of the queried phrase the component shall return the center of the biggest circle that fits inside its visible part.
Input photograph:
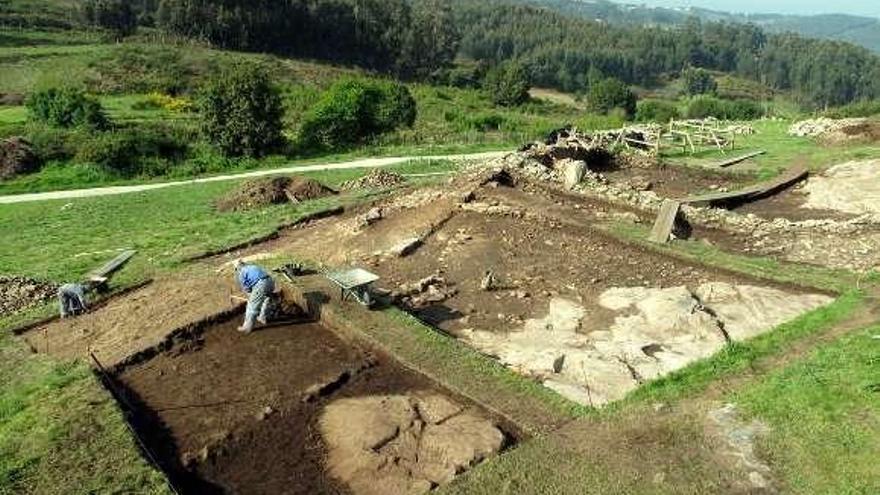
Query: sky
(855, 7)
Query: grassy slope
(824, 413)
(60, 433)
(782, 151)
(450, 120)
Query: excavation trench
(275, 411)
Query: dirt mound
(12, 99)
(864, 132)
(376, 179)
(16, 157)
(404, 444)
(18, 293)
(839, 131)
(259, 193)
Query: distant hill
(864, 31)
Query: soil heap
(16, 158)
(376, 179)
(18, 293)
(839, 131)
(272, 191)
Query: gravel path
(364, 163)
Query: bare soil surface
(679, 181)
(138, 321)
(789, 204)
(521, 272)
(234, 413)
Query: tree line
(420, 39)
(411, 39)
(567, 52)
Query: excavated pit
(523, 274)
(224, 412)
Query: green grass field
(814, 380)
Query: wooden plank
(786, 179)
(734, 161)
(665, 222)
(112, 266)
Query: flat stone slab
(654, 332)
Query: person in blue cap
(259, 287)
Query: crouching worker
(72, 297)
(259, 287)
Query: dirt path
(365, 163)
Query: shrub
(66, 107)
(133, 151)
(865, 108)
(656, 111)
(609, 94)
(156, 101)
(698, 82)
(355, 109)
(242, 111)
(508, 84)
(707, 106)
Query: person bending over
(259, 287)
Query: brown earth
(233, 413)
(673, 181)
(539, 243)
(271, 191)
(861, 132)
(138, 321)
(788, 204)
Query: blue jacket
(249, 276)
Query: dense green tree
(508, 84)
(612, 94)
(698, 82)
(117, 16)
(355, 109)
(241, 112)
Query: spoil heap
(18, 293)
(271, 191)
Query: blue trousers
(259, 303)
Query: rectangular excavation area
(519, 271)
(296, 410)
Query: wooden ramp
(786, 179)
(734, 161)
(665, 221)
(111, 267)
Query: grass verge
(61, 433)
(824, 414)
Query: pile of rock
(376, 179)
(425, 292)
(822, 126)
(18, 293)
